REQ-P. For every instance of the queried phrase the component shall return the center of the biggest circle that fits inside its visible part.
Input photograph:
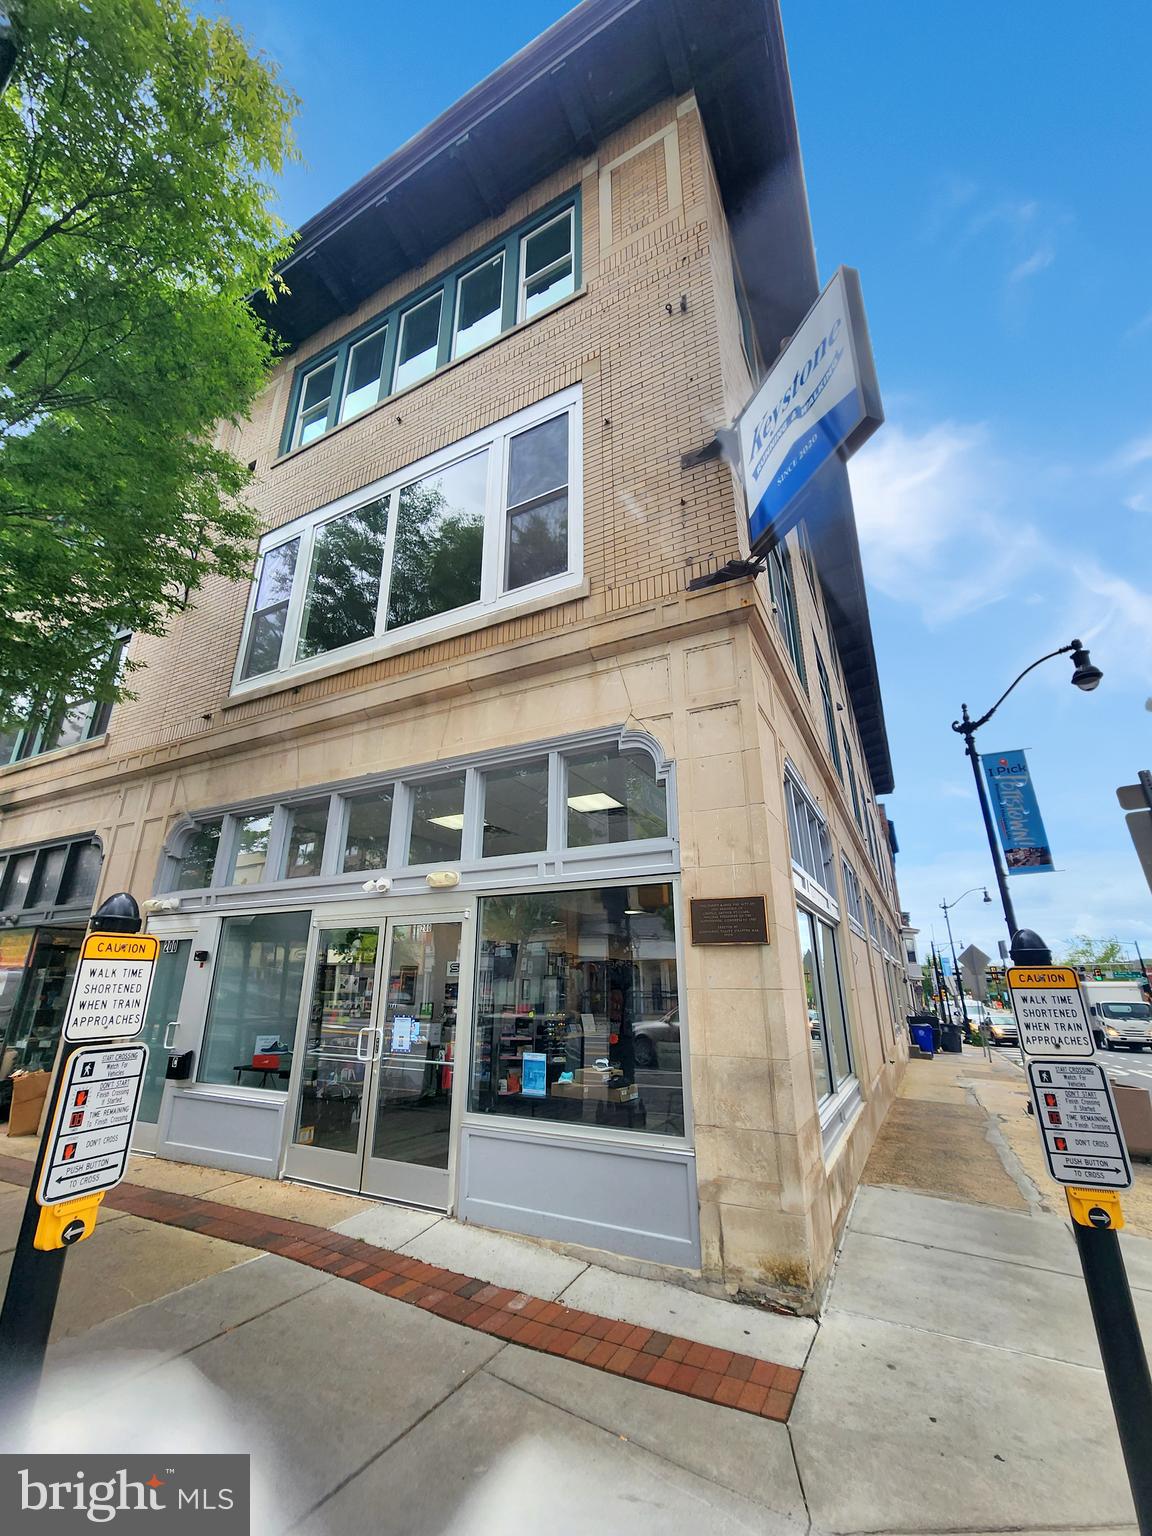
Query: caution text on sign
(113, 980)
(1050, 1011)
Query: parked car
(657, 1041)
(1002, 1029)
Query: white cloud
(1137, 451)
(1039, 259)
(952, 525)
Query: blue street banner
(1018, 820)
(819, 399)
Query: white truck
(1121, 1014)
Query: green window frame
(829, 711)
(315, 411)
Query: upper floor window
(852, 895)
(47, 876)
(532, 267)
(478, 526)
(52, 725)
(784, 605)
(852, 785)
(829, 712)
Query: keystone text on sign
(1078, 1124)
(113, 980)
(91, 1131)
(1050, 1011)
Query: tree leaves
(137, 141)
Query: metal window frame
(494, 595)
(446, 283)
(557, 863)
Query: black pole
(955, 962)
(968, 730)
(34, 1279)
(1122, 1351)
(1117, 1328)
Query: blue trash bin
(922, 1036)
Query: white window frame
(454, 351)
(380, 330)
(568, 213)
(819, 893)
(394, 385)
(298, 424)
(494, 598)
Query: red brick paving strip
(603, 1343)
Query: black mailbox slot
(180, 1066)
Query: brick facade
(653, 338)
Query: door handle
(361, 1043)
(170, 1034)
(379, 1041)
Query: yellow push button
(1095, 1207)
(69, 1222)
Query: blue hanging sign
(1018, 820)
(820, 398)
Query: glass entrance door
(160, 1023)
(411, 1105)
(375, 1080)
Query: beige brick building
(421, 815)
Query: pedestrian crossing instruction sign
(1050, 1011)
(91, 1132)
(1079, 1127)
(110, 993)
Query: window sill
(401, 645)
(58, 753)
(438, 373)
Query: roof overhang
(595, 70)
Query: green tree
(136, 143)
(1087, 951)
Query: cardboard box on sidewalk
(28, 1092)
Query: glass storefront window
(251, 848)
(307, 827)
(39, 998)
(255, 998)
(614, 797)
(827, 1017)
(515, 810)
(437, 821)
(366, 837)
(577, 1009)
(198, 858)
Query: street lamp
(1086, 677)
(946, 907)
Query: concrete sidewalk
(953, 1385)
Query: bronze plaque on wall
(729, 920)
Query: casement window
(853, 787)
(51, 725)
(828, 1034)
(482, 525)
(419, 341)
(784, 606)
(547, 265)
(829, 712)
(852, 895)
(364, 375)
(809, 839)
(532, 267)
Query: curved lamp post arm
(948, 905)
(967, 726)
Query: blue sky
(986, 170)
